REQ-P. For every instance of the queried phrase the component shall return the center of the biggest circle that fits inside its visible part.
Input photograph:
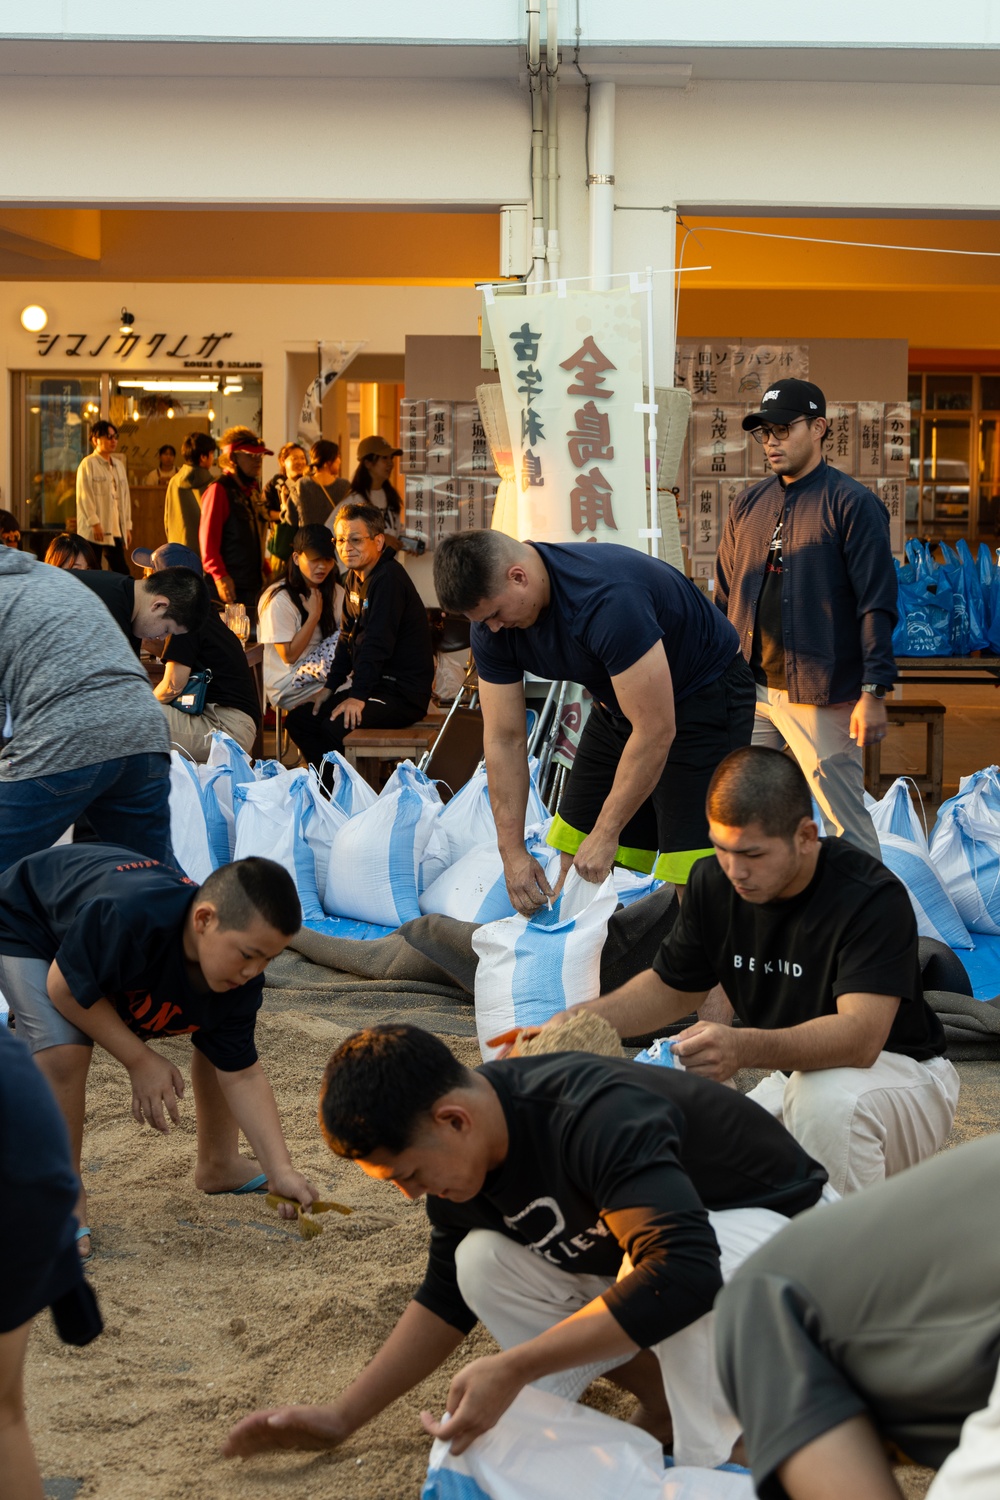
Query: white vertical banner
(332, 360)
(571, 377)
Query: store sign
(193, 351)
(723, 371)
(571, 376)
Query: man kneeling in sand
(815, 944)
(100, 945)
(580, 1207)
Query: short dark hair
(758, 785)
(379, 1084)
(469, 567)
(372, 516)
(102, 429)
(166, 448)
(65, 549)
(196, 446)
(323, 452)
(185, 592)
(253, 887)
(8, 521)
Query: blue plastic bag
(978, 640)
(926, 608)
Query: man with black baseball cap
(805, 574)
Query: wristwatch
(875, 688)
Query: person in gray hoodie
(80, 730)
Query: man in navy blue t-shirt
(672, 697)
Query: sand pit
(214, 1308)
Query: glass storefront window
(53, 415)
(949, 393)
(990, 393)
(58, 411)
(989, 475)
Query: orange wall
(179, 246)
(803, 290)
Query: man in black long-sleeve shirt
(586, 1209)
(384, 647)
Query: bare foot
(227, 1177)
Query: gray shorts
(23, 982)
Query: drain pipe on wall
(552, 252)
(534, 62)
(601, 183)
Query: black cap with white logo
(784, 401)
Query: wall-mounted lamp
(34, 318)
(127, 320)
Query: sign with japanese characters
(719, 443)
(869, 460)
(571, 375)
(719, 370)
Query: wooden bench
(374, 752)
(926, 711)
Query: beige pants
(831, 762)
(190, 732)
(517, 1295)
(865, 1124)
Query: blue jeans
(126, 800)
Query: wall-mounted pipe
(552, 251)
(601, 183)
(534, 63)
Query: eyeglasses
(761, 434)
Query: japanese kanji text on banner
(571, 376)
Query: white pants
(832, 763)
(865, 1124)
(518, 1295)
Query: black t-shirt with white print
(608, 1157)
(767, 648)
(851, 931)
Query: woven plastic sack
(473, 889)
(544, 1446)
(377, 858)
(965, 849)
(467, 820)
(238, 770)
(531, 967)
(188, 827)
(321, 821)
(904, 851)
(349, 791)
(270, 821)
(986, 785)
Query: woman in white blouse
(299, 620)
(103, 502)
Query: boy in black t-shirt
(815, 944)
(100, 945)
(587, 1210)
